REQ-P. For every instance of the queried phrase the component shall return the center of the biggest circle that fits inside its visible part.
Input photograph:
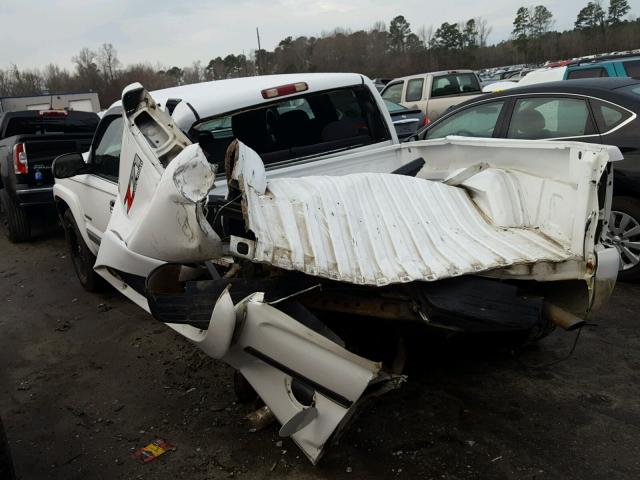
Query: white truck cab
(298, 123)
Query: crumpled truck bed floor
(375, 229)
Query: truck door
(98, 189)
(414, 96)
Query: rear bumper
(27, 196)
(608, 261)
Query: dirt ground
(87, 379)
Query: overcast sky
(173, 32)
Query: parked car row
(601, 67)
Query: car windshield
(311, 124)
(394, 107)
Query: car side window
(454, 84)
(549, 117)
(414, 90)
(106, 156)
(588, 73)
(393, 92)
(477, 121)
(608, 115)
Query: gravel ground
(87, 379)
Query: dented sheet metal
(377, 229)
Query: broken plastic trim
(336, 397)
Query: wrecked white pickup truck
(307, 285)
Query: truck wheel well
(61, 206)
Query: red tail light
(20, 159)
(426, 121)
(53, 113)
(284, 90)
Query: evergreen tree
(541, 20)
(399, 30)
(521, 24)
(590, 16)
(617, 10)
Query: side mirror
(69, 165)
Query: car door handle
(111, 204)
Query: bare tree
(484, 30)
(193, 74)
(56, 79)
(426, 34)
(107, 61)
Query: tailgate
(41, 151)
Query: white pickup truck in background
(277, 224)
(435, 92)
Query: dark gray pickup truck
(29, 141)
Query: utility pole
(259, 50)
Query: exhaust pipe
(562, 318)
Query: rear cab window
(393, 92)
(454, 84)
(32, 123)
(596, 72)
(414, 90)
(307, 125)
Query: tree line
(380, 51)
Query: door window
(632, 68)
(454, 84)
(539, 118)
(393, 92)
(106, 157)
(414, 90)
(477, 121)
(588, 73)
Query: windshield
(310, 124)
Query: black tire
(6, 464)
(628, 206)
(14, 219)
(82, 258)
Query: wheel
(624, 234)
(14, 219)
(81, 257)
